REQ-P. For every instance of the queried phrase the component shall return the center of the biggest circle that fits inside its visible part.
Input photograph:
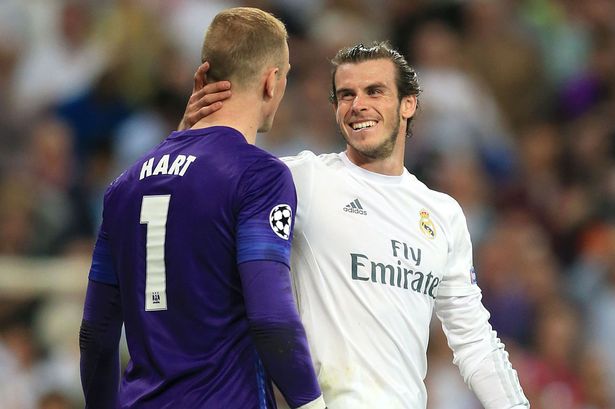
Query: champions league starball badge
(280, 220)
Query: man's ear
(271, 81)
(408, 106)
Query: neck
(392, 165)
(240, 112)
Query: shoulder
(308, 159)
(307, 168)
(259, 159)
(301, 159)
(442, 204)
(116, 184)
(263, 170)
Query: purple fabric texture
(98, 342)
(277, 330)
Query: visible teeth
(361, 125)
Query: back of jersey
(178, 223)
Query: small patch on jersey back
(473, 275)
(426, 225)
(280, 219)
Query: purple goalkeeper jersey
(175, 227)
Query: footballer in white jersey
(376, 253)
(373, 256)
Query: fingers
(193, 118)
(205, 99)
(217, 87)
(203, 112)
(200, 77)
(211, 93)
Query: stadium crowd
(516, 121)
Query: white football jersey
(371, 256)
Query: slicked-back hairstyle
(406, 78)
(239, 43)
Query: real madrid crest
(426, 225)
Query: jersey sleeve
(102, 269)
(99, 337)
(277, 331)
(478, 352)
(267, 205)
(459, 277)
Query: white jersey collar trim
(373, 176)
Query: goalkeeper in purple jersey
(193, 253)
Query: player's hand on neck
(245, 109)
(206, 98)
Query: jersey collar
(373, 176)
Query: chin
(381, 151)
(374, 146)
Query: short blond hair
(239, 43)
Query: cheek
(340, 113)
(339, 117)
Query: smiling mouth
(357, 126)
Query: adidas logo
(355, 207)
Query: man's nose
(358, 103)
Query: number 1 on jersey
(154, 211)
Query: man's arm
(99, 338)
(267, 205)
(479, 353)
(100, 331)
(278, 333)
(205, 98)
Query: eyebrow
(340, 91)
(376, 85)
(370, 86)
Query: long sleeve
(479, 353)
(278, 333)
(99, 345)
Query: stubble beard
(381, 151)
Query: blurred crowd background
(516, 121)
